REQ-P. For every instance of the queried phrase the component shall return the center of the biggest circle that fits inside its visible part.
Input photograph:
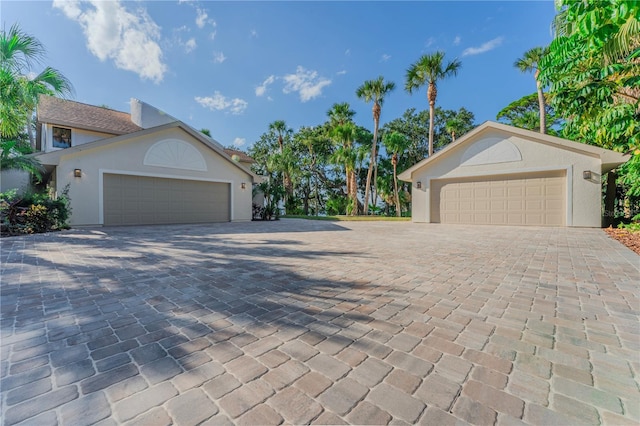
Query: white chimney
(147, 116)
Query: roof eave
(84, 127)
(53, 158)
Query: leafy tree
(315, 149)
(395, 143)
(462, 120)
(414, 125)
(454, 126)
(345, 154)
(530, 62)
(283, 134)
(374, 91)
(14, 157)
(525, 113)
(428, 70)
(19, 52)
(342, 131)
(593, 71)
(206, 132)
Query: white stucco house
(502, 175)
(143, 167)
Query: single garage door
(525, 199)
(141, 200)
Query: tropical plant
(593, 71)
(429, 70)
(395, 143)
(529, 62)
(525, 114)
(31, 212)
(454, 127)
(345, 154)
(283, 134)
(19, 91)
(374, 91)
(14, 158)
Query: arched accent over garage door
(176, 154)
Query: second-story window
(61, 137)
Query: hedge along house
(140, 168)
(502, 175)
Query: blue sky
(234, 67)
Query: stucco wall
(127, 157)
(14, 179)
(78, 137)
(583, 195)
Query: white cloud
(190, 45)
(238, 142)
(306, 82)
(342, 72)
(385, 58)
(262, 89)
(457, 40)
(212, 36)
(485, 47)
(218, 57)
(219, 102)
(115, 33)
(201, 18)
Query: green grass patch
(349, 218)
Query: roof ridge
(86, 104)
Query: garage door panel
(138, 200)
(528, 199)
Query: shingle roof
(241, 155)
(82, 116)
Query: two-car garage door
(142, 200)
(524, 199)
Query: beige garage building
(139, 168)
(502, 175)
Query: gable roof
(243, 157)
(610, 159)
(63, 112)
(53, 158)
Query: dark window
(61, 137)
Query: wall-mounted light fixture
(586, 175)
(243, 185)
(418, 184)
(77, 172)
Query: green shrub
(33, 212)
(634, 226)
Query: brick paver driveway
(315, 322)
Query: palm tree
(430, 69)
(346, 155)
(374, 90)
(340, 114)
(453, 126)
(530, 62)
(280, 130)
(11, 158)
(395, 143)
(19, 52)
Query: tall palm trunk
(432, 94)
(374, 148)
(394, 161)
(541, 104)
(374, 195)
(354, 192)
